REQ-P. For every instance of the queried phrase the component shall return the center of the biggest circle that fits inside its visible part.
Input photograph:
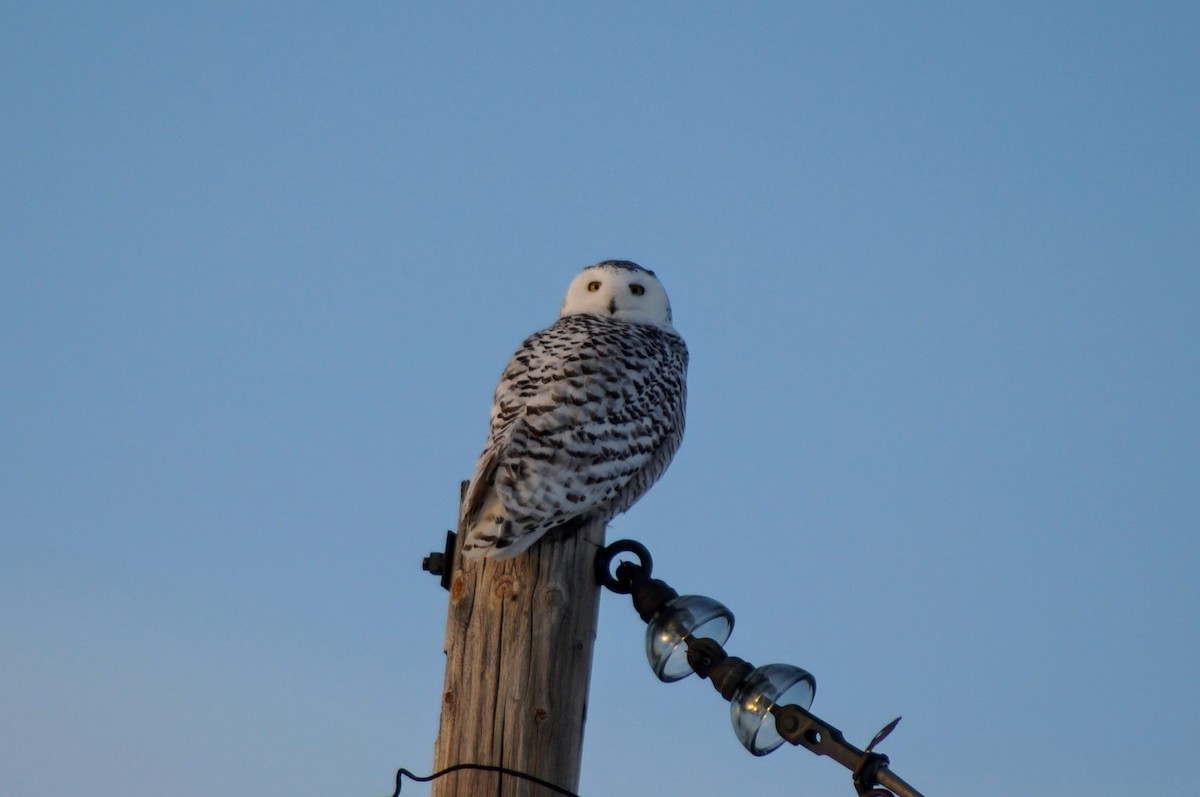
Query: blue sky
(936, 265)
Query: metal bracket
(440, 563)
(870, 769)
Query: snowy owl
(587, 414)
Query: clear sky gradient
(936, 264)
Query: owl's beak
(612, 306)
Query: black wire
(404, 773)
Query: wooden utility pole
(519, 638)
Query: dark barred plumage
(587, 416)
(628, 265)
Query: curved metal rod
(605, 556)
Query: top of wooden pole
(519, 639)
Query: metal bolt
(435, 563)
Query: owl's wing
(586, 417)
(505, 413)
(577, 460)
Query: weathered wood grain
(519, 639)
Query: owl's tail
(490, 533)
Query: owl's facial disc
(621, 290)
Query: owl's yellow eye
(636, 290)
(593, 287)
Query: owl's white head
(619, 289)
